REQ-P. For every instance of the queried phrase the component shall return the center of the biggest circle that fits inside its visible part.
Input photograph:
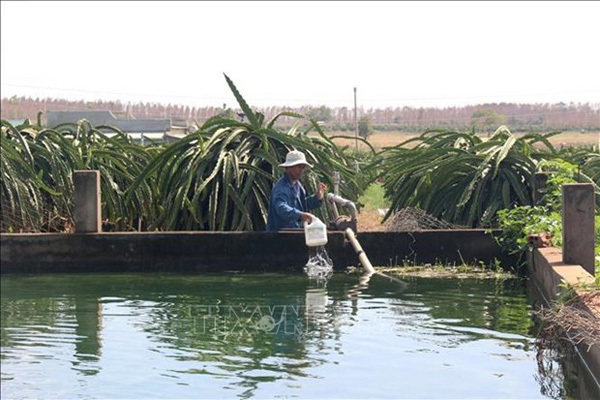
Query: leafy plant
(586, 166)
(220, 177)
(517, 223)
(461, 178)
(21, 199)
(38, 164)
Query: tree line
(526, 117)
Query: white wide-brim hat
(295, 157)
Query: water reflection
(264, 335)
(355, 291)
(88, 316)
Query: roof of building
(106, 117)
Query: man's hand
(306, 217)
(321, 191)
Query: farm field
(380, 140)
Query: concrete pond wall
(234, 251)
(551, 269)
(549, 273)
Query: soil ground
(369, 219)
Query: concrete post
(87, 211)
(578, 225)
(540, 187)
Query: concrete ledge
(240, 251)
(548, 271)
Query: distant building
(138, 129)
(17, 122)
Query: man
(289, 205)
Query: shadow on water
(246, 331)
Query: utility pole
(355, 122)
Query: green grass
(374, 197)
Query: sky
(396, 54)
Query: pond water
(270, 336)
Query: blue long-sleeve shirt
(287, 201)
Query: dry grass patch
(380, 140)
(580, 317)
